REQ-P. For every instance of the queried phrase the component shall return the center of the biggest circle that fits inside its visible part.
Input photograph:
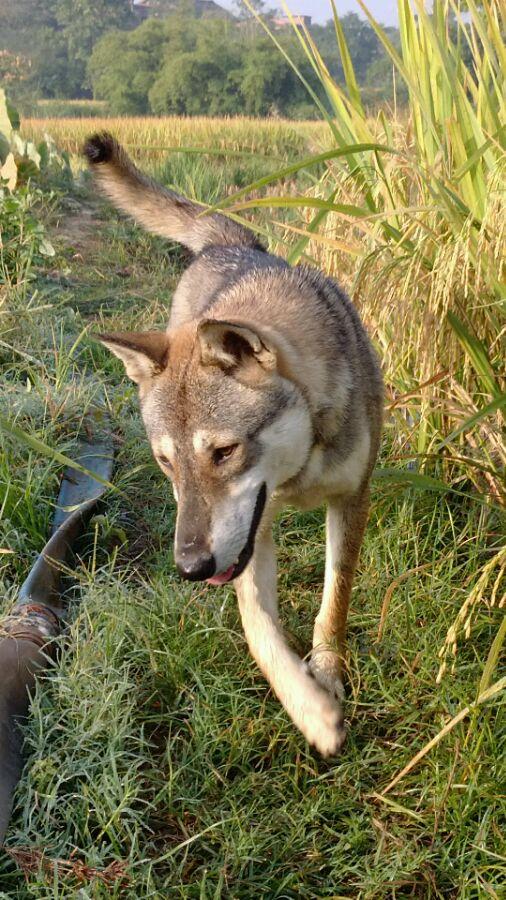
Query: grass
(62, 108)
(154, 742)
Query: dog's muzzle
(246, 553)
(195, 562)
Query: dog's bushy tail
(156, 208)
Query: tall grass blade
(493, 657)
(45, 450)
(483, 697)
(303, 164)
(477, 355)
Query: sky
(385, 11)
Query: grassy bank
(157, 756)
(72, 109)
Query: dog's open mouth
(225, 576)
(246, 553)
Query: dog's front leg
(346, 521)
(317, 714)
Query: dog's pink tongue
(222, 578)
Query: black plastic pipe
(37, 616)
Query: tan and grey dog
(263, 391)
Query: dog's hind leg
(315, 712)
(346, 521)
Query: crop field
(153, 137)
(159, 764)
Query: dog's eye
(222, 454)
(166, 463)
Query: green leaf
(493, 656)
(205, 151)
(45, 450)
(297, 251)
(302, 164)
(5, 148)
(9, 172)
(325, 206)
(5, 121)
(421, 482)
(477, 355)
(13, 115)
(45, 248)
(349, 71)
(488, 410)
(411, 479)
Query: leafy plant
(18, 158)
(23, 239)
(21, 159)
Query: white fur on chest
(320, 481)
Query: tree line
(176, 63)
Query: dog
(263, 391)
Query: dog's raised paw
(333, 749)
(329, 745)
(321, 720)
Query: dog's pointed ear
(233, 344)
(144, 353)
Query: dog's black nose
(196, 567)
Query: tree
(202, 79)
(20, 20)
(83, 22)
(188, 66)
(177, 61)
(243, 11)
(57, 37)
(268, 84)
(30, 27)
(15, 74)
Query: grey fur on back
(214, 270)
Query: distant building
(299, 21)
(208, 9)
(202, 9)
(141, 9)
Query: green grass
(61, 108)
(154, 740)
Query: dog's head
(227, 424)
